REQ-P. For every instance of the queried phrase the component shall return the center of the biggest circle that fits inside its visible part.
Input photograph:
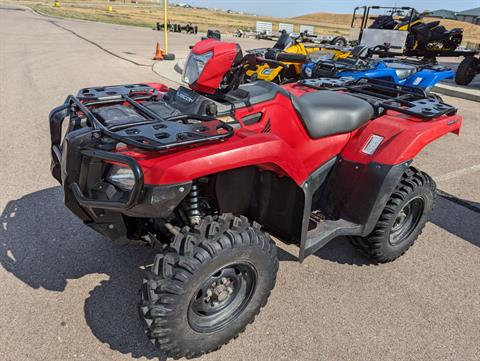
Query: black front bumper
(80, 162)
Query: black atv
(422, 36)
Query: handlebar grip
(291, 57)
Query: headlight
(194, 66)
(121, 177)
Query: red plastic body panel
(162, 88)
(213, 72)
(404, 137)
(279, 142)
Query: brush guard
(97, 142)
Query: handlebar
(291, 57)
(279, 59)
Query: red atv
(202, 174)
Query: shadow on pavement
(458, 219)
(461, 220)
(341, 251)
(44, 246)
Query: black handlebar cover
(291, 57)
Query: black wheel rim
(222, 297)
(470, 73)
(406, 221)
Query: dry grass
(147, 13)
(326, 18)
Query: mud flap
(353, 198)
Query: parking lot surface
(68, 294)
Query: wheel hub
(406, 220)
(219, 291)
(222, 297)
(400, 219)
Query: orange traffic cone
(158, 53)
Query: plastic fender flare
(298, 48)
(239, 151)
(429, 78)
(403, 138)
(340, 54)
(382, 73)
(272, 74)
(372, 74)
(415, 141)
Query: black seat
(327, 112)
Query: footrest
(325, 232)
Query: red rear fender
(403, 137)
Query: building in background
(469, 16)
(443, 14)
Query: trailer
(393, 42)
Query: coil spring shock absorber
(193, 211)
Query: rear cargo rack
(385, 95)
(429, 64)
(154, 132)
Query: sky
(290, 8)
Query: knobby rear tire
(414, 186)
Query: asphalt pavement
(67, 293)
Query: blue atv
(361, 65)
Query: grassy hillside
(326, 18)
(147, 13)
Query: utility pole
(165, 25)
(167, 55)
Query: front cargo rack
(149, 131)
(98, 95)
(385, 95)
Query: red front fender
(238, 151)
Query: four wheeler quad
(283, 62)
(424, 74)
(205, 175)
